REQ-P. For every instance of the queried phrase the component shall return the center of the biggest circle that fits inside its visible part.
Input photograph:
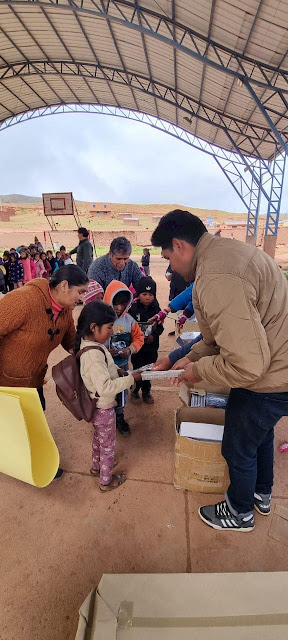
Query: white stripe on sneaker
(223, 523)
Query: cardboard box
(201, 388)
(199, 466)
(242, 606)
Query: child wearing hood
(127, 337)
(144, 307)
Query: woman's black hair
(97, 312)
(70, 272)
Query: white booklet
(202, 431)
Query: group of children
(118, 325)
(19, 266)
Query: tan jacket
(100, 378)
(240, 298)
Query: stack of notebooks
(202, 431)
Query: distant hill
(18, 197)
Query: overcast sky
(103, 158)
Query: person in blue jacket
(182, 301)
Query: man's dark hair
(121, 245)
(84, 232)
(178, 224)
(62, 248)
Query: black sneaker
(123, 426)
(135, 398)
(262, 503)
(148, 398)
(59, 474)
(220, 517)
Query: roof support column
(246, 179)
(274, 203)
(254, 204)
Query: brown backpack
(70, 387)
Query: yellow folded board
(27, 449)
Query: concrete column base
(251, 240)
(270, 245)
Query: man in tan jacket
(240, 298)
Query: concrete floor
(57, 542)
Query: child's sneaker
(262, 503)
(148, 398)
(135, 397)
(219, 516)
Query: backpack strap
(80, 353)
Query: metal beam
(52, 25)
(156, 24)
(20, 19)
(117, 48)
(251, 133)
(77, 18)
(273, 210)
(244, 52)
(173, 14)
(266, 115)
(212, 10)
(254, 205)
(147, 57)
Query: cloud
(111, 159)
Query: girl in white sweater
(104, 380)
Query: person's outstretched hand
(183, 363)
(160, 317)
(187, 376)
(181, 321)
(163, 364)
(137, 376)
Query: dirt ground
(57, 542)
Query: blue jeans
(248, 444)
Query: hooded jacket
(240, 298)
(27, 334)
(125, 328)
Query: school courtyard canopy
(211, 72)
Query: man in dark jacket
(84, 250)
(144, 307)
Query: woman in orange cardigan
(34, 320)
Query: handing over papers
(147, 373)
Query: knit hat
(146, 284)
(94, 288)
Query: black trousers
(145, 385)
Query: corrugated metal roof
(179, 60)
